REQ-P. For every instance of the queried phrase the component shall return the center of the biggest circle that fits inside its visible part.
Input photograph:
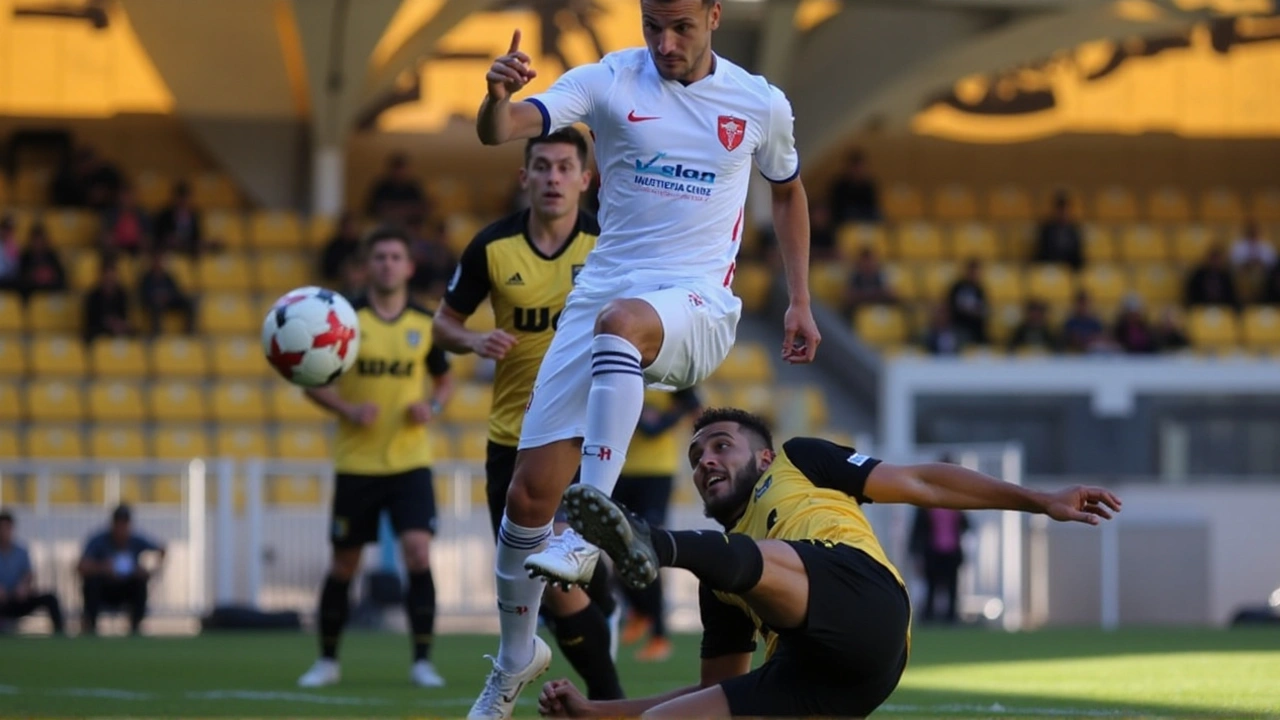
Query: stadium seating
(54, 401)
(1213, 328)
(238, 402)
(238, 357)
(118, 358)
(1261, 329)
(53, 313)
(112, 401)
(179, 357)
(177, 401)
(10, 403)
(12, 317)
(13, 356)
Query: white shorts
(699, 325)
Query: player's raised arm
(499, 119)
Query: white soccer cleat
(323, 672)
(502, 689)
(568, 560)
(423, 674)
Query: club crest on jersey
(576, 269)
(731, 131)
(413, 337)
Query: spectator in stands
(935, 545)
(822, 234)
(159, 293)
(126, 227)
(86, 180)
(344, 245)
(1083, 331)
(967, 301)
(867, 285)
(113, 573)
(1271, 290)
(106, 306)
(1211, 282)
(1059, 239)
(1132, 332)
(854, 196)
(39, 267)
(10, 254)
(1034, 331)
(397, 196)
(1252, 249)
(433, 261)
(1169, 334)
(18, 597)
(942, 337)
(177, 226)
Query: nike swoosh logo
(514, 695)
(633, 117)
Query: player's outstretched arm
(559, 698)
(450, 332)
(499, 119)
(951, 486)
(791, 225)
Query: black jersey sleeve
(726, 629)
(831, 465)
(470, 284)
(437, 361)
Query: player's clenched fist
(494, 344)
(560, 698)
(364, 414)
(510, 72)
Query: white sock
(519, 595)
(613, 410)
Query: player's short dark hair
(753, 424)
(705, 3)
(386, 233)
(563, 136)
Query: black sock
(420, 603)
(728, 562)
(335, 606)
(600, 589)
(584, 641)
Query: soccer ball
(311, 336)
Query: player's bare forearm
(791, 225)
(450, 332)
(959, 488)
(493, 122)
(329, 399)
(638, 706)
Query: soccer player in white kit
(677, 129)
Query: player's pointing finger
(515, 41)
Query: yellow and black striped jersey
(528, 291)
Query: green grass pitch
(953, 673)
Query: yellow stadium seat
(1143, 244)
(1265, 206)
(1191, 244)
(241, 441)
(828, 282)
(902, 281)
(230, 313)
(1053, 284)
(86, 271)
(470, 404)
(183, 270)
(442, 445)
(179, 357)
(974, 240)
(294, 490)
(308, 441)
(213, 190)
(225, 272)
(321, 228)
(279, 272)
(1115, 204)
(9, 448)
(1099, 244)
(235, 401)
(10, 403)
(180, 443)
(746, 362)
(167, 490)
(177, 401)
(1261, 329)
(275, 229)
(463, 367)
(902, 202)
(757, 399)
(153, 189)
(72, 228)
(880, 326)
(54, 442)
(239, 357)
(1105, 284)
(113, 402)
(290, 404)
(937, 280)
(852, 238)
(1004, 318)
(11, 313)
(118, 358)
(54, 312)
(1168, 205)
(751, 283)
(55, 401)
(1213, 328)
(472, 444)
(1010, 203)
(919, 242)
(1221, 205)
(1003, 283)
(1157, 284)
(816, 413)
(226, 228)
(113, 442)
(955, 202)
(32, 186)
(13, 356)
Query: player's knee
(625, 319)
(345, 564)
(417, 555)
(529, 505)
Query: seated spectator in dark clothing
(126, 227)
(1034, 331)
(397, 196)
(1168, 332)
(1271, 288)
(822, 234)
(10, 254)
(1133, 333)
(433, 261)
(1059, 239)
(177, 227)
(86, 180)
(344, 244)
(942, 337)
(1211, 283)
(1083, 331)
(106, 307)
(160, 294)
(967, 301)
(113, 573)
(854, 196)
(18, 597)
(1251, 249)
(867, 285)
(39, 267)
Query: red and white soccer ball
(311, 336)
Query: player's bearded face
(678, 33)
(725, 470)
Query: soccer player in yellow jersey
(800, 565)
(383, 452)
(526, 264)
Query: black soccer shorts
(850, 654)
(499, 469)
(358, 502)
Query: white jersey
(675, 162)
